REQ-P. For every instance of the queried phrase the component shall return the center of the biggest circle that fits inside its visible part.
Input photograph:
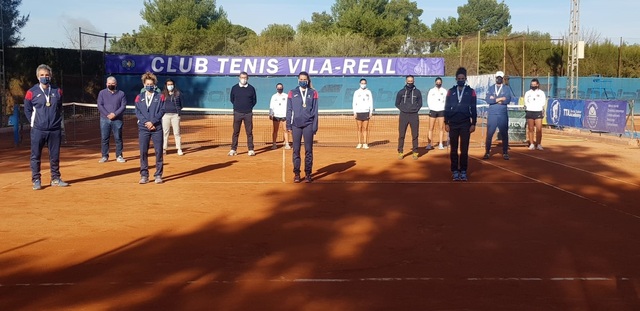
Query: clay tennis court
(548, 230)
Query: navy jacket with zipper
(41, 116)
(153, 113)
(297, 114)
(463, 111)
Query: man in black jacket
(409, 102)
(243, 98)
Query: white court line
(558, 188)
(578, 169)
(357, 280)
(390, 182)
(284, 157)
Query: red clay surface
(548, 230)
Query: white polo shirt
(362, 101)
(278, 105)
(436, 98)
(534, 100)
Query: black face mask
(534, 87)
(499, 80)
(438, 85)
(279, 90)
(410, 85)
(111, 87)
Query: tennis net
(214, 127)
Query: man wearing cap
(498, 97)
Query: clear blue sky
(55, 24)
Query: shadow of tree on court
(367, 245)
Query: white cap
(500, 74)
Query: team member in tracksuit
(498, 97)
(302, 122)
(43, 107)
(409, 102)
(149, 110)
(460, 116)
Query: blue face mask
(461, 83)
(44, 80)
(303, 84)
(149, 88)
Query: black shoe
(296, 179)
(505, 156)
(308, 179)
(486, 156)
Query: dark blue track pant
(298, 134)
(501, 122)
(145, 137)
(52, 139)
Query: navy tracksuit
(460, 113)
(302, 121)
(498, 116)
(150, 113)
(45, 116)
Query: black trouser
(412, 120)
(461, 132)
(238, 118)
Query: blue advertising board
(565, 112)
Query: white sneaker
(180, 152)
(441, 147)
(540, 147)
(232, 153)
(365, 146)
(251, 153)
(532, 147)
(358, 146)
(287, 146)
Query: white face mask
(243, 81)
(170, 88)
(363, 86)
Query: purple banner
(273, 66)
(606, 116)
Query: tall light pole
(574, 33)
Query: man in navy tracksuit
(243, 98)
(409, 102)
(460, 116)
(149, 110)
(43, 108)
(302, 121)
(498, 97)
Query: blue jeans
(106, 128)
(145, 137)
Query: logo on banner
(555, 112)
(128, 64)
(592, 114)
